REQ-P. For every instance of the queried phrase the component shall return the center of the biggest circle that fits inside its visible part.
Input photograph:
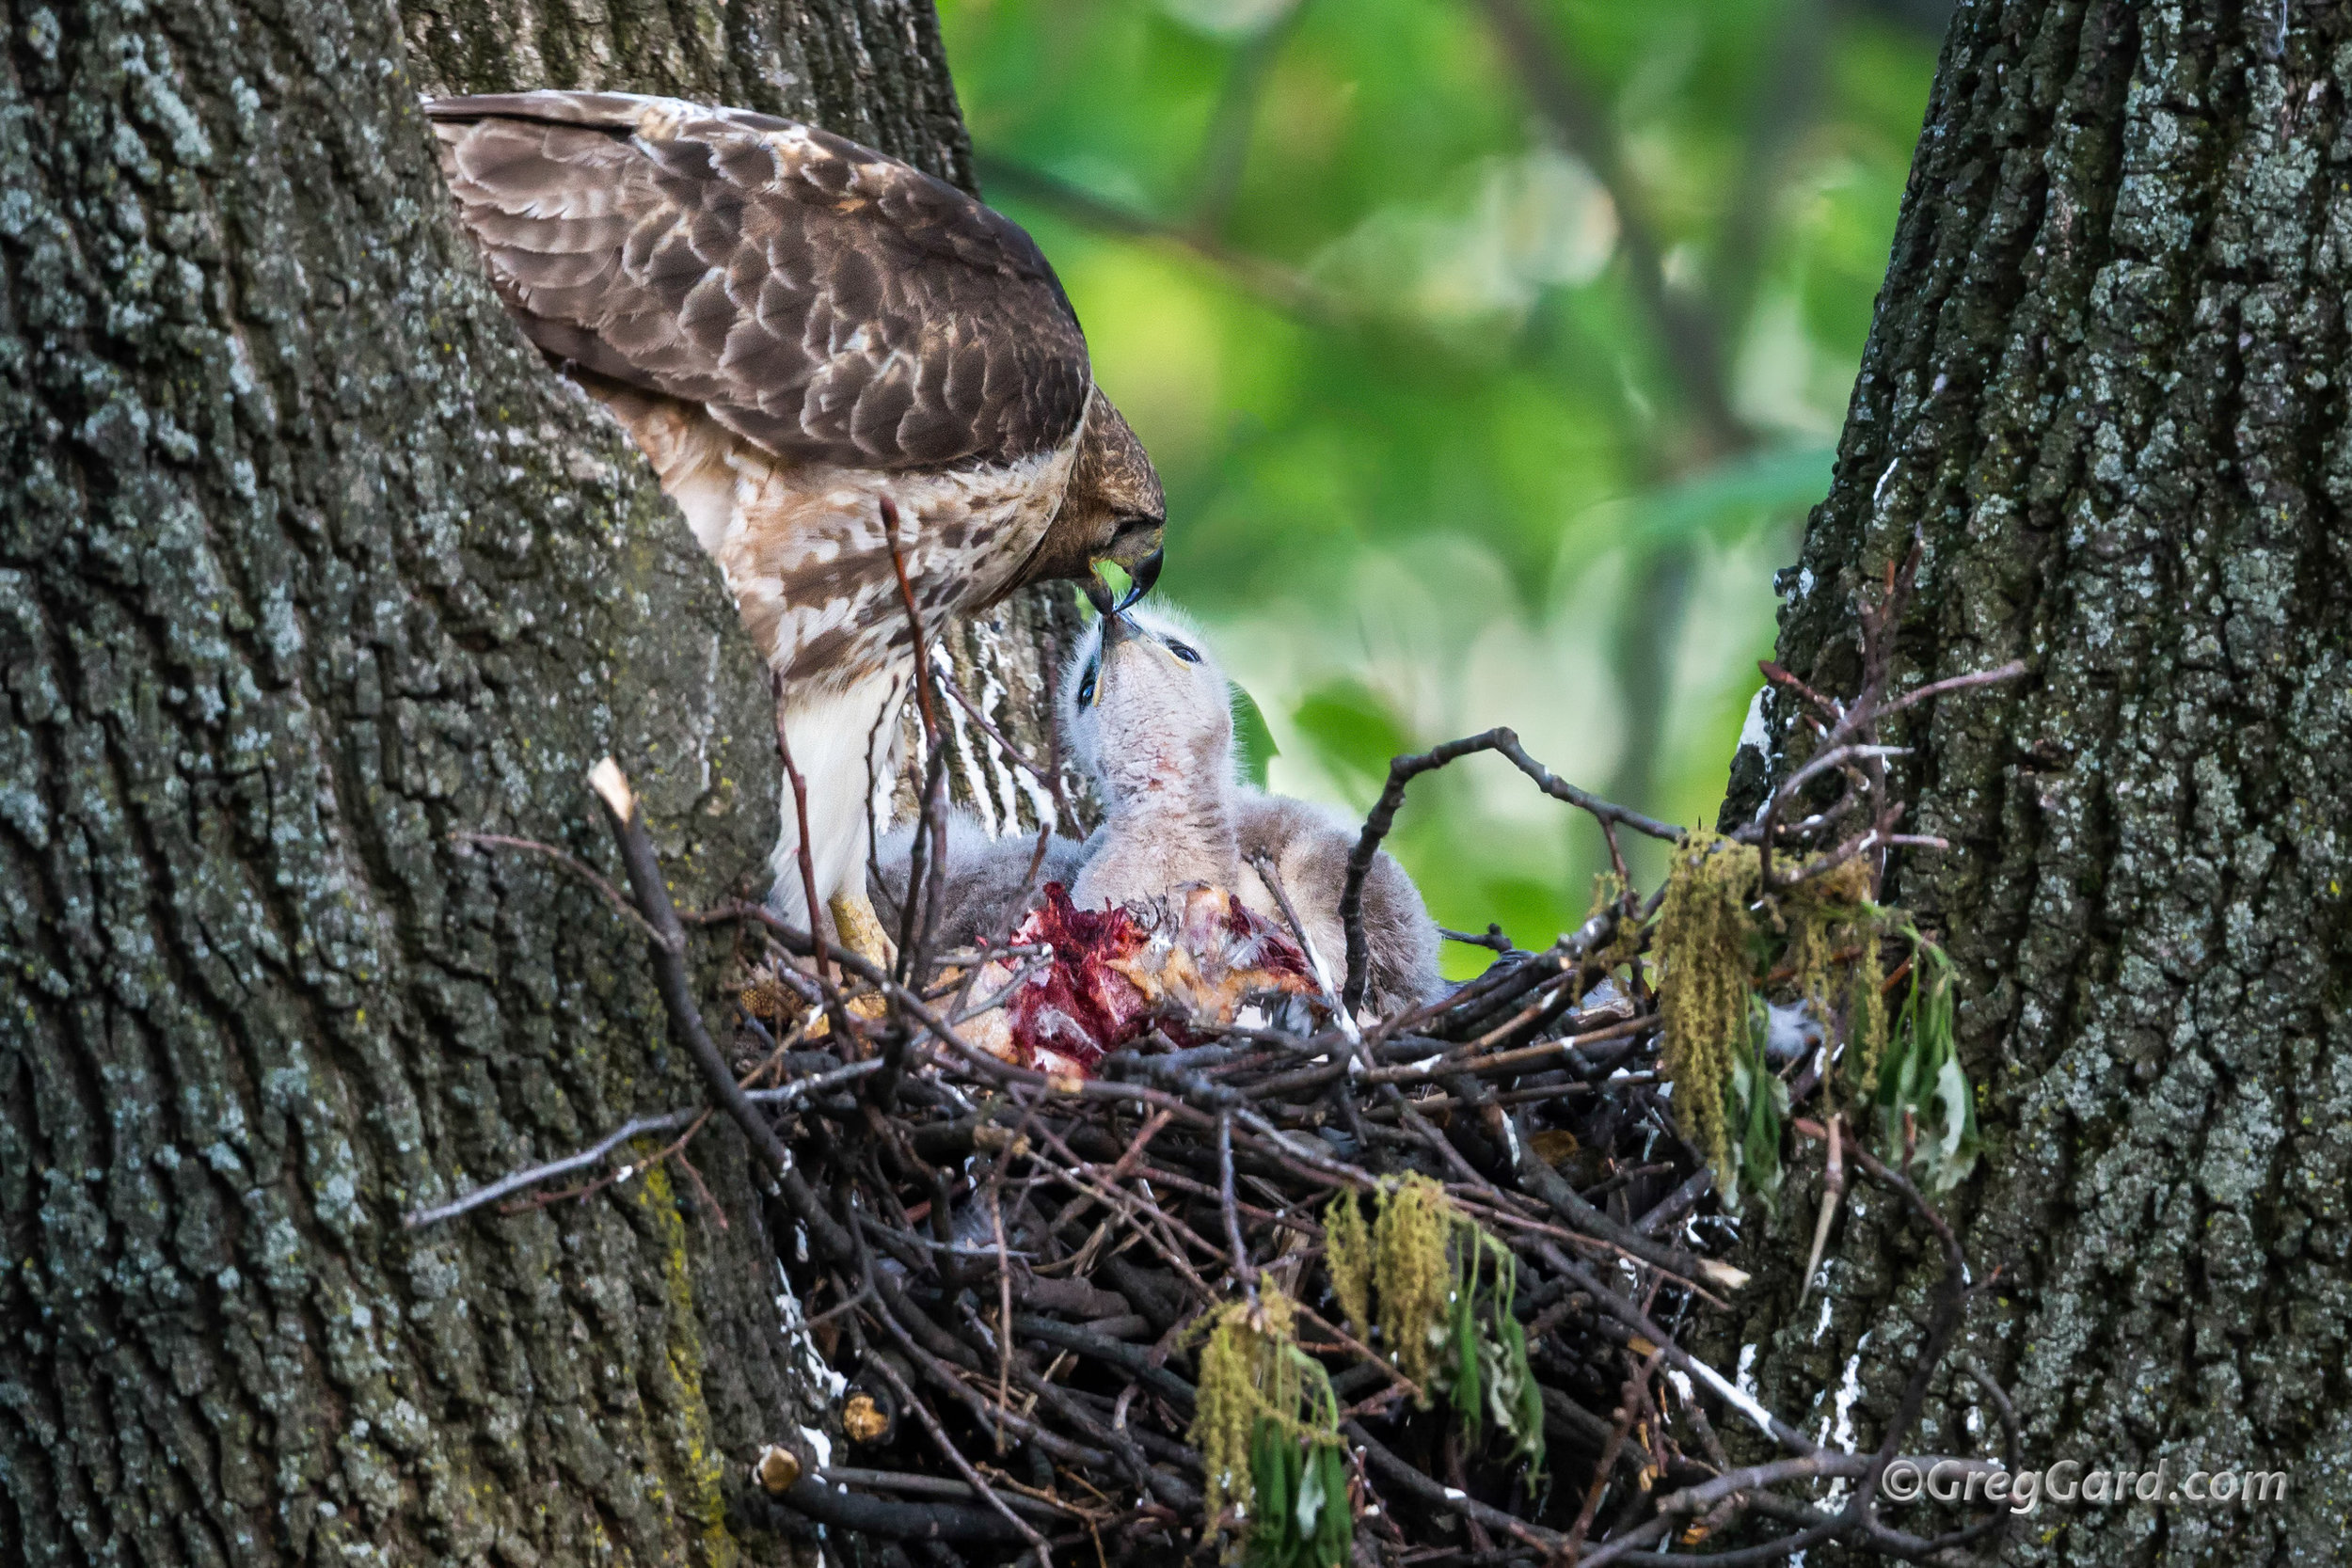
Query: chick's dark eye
(1184, 651)
(1086, 686)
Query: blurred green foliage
(1491, 351)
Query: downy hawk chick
(990, 883)
(793, 327)
(1149, 715)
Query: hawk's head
(1112, 510)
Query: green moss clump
(1347, 1252)
(1410, 1270)
(1719, 942)
(1833, 933)
(1703, 943)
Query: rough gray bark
(305, 562)
(2106, 381)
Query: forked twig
(1403, 771)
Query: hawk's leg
(860, 928)
(842, 741)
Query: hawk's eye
(1184, 651)
(1085, 686)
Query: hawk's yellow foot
(860, 929)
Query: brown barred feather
(823, 301)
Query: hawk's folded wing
(821, 300)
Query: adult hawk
(793, 327)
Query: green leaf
(1756, 1104)
(1350, 726)
(1274, 1476)
(1336, 1530)
(1468, 1398)
(1312, 1497)
(1253, 741)
(1729, 499)
(1921, 1076)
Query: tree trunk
(305, 564)
(2106, 384)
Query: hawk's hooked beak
(1147, 572)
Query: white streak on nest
(821, 1444)
(1838, 1426)
(1681, 1382)
(959, 739)
(1822, 1327)
(796, 1334)
(708, 720)
(1752, 731)
(1454, 1495)
(1013, 782)
(1746, 1371)
(1878, 491)
(1339, 1014)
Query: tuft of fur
(988, 888)
(1157, 737)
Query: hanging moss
(1608, 887)
(1703, 945)
(1715, 939)
(1347, 1254)
(1412, 1275)
(1833, 933)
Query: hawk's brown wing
(823, 300)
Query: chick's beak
(1115, 628)
(1098, 594)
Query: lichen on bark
(2105, 384)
